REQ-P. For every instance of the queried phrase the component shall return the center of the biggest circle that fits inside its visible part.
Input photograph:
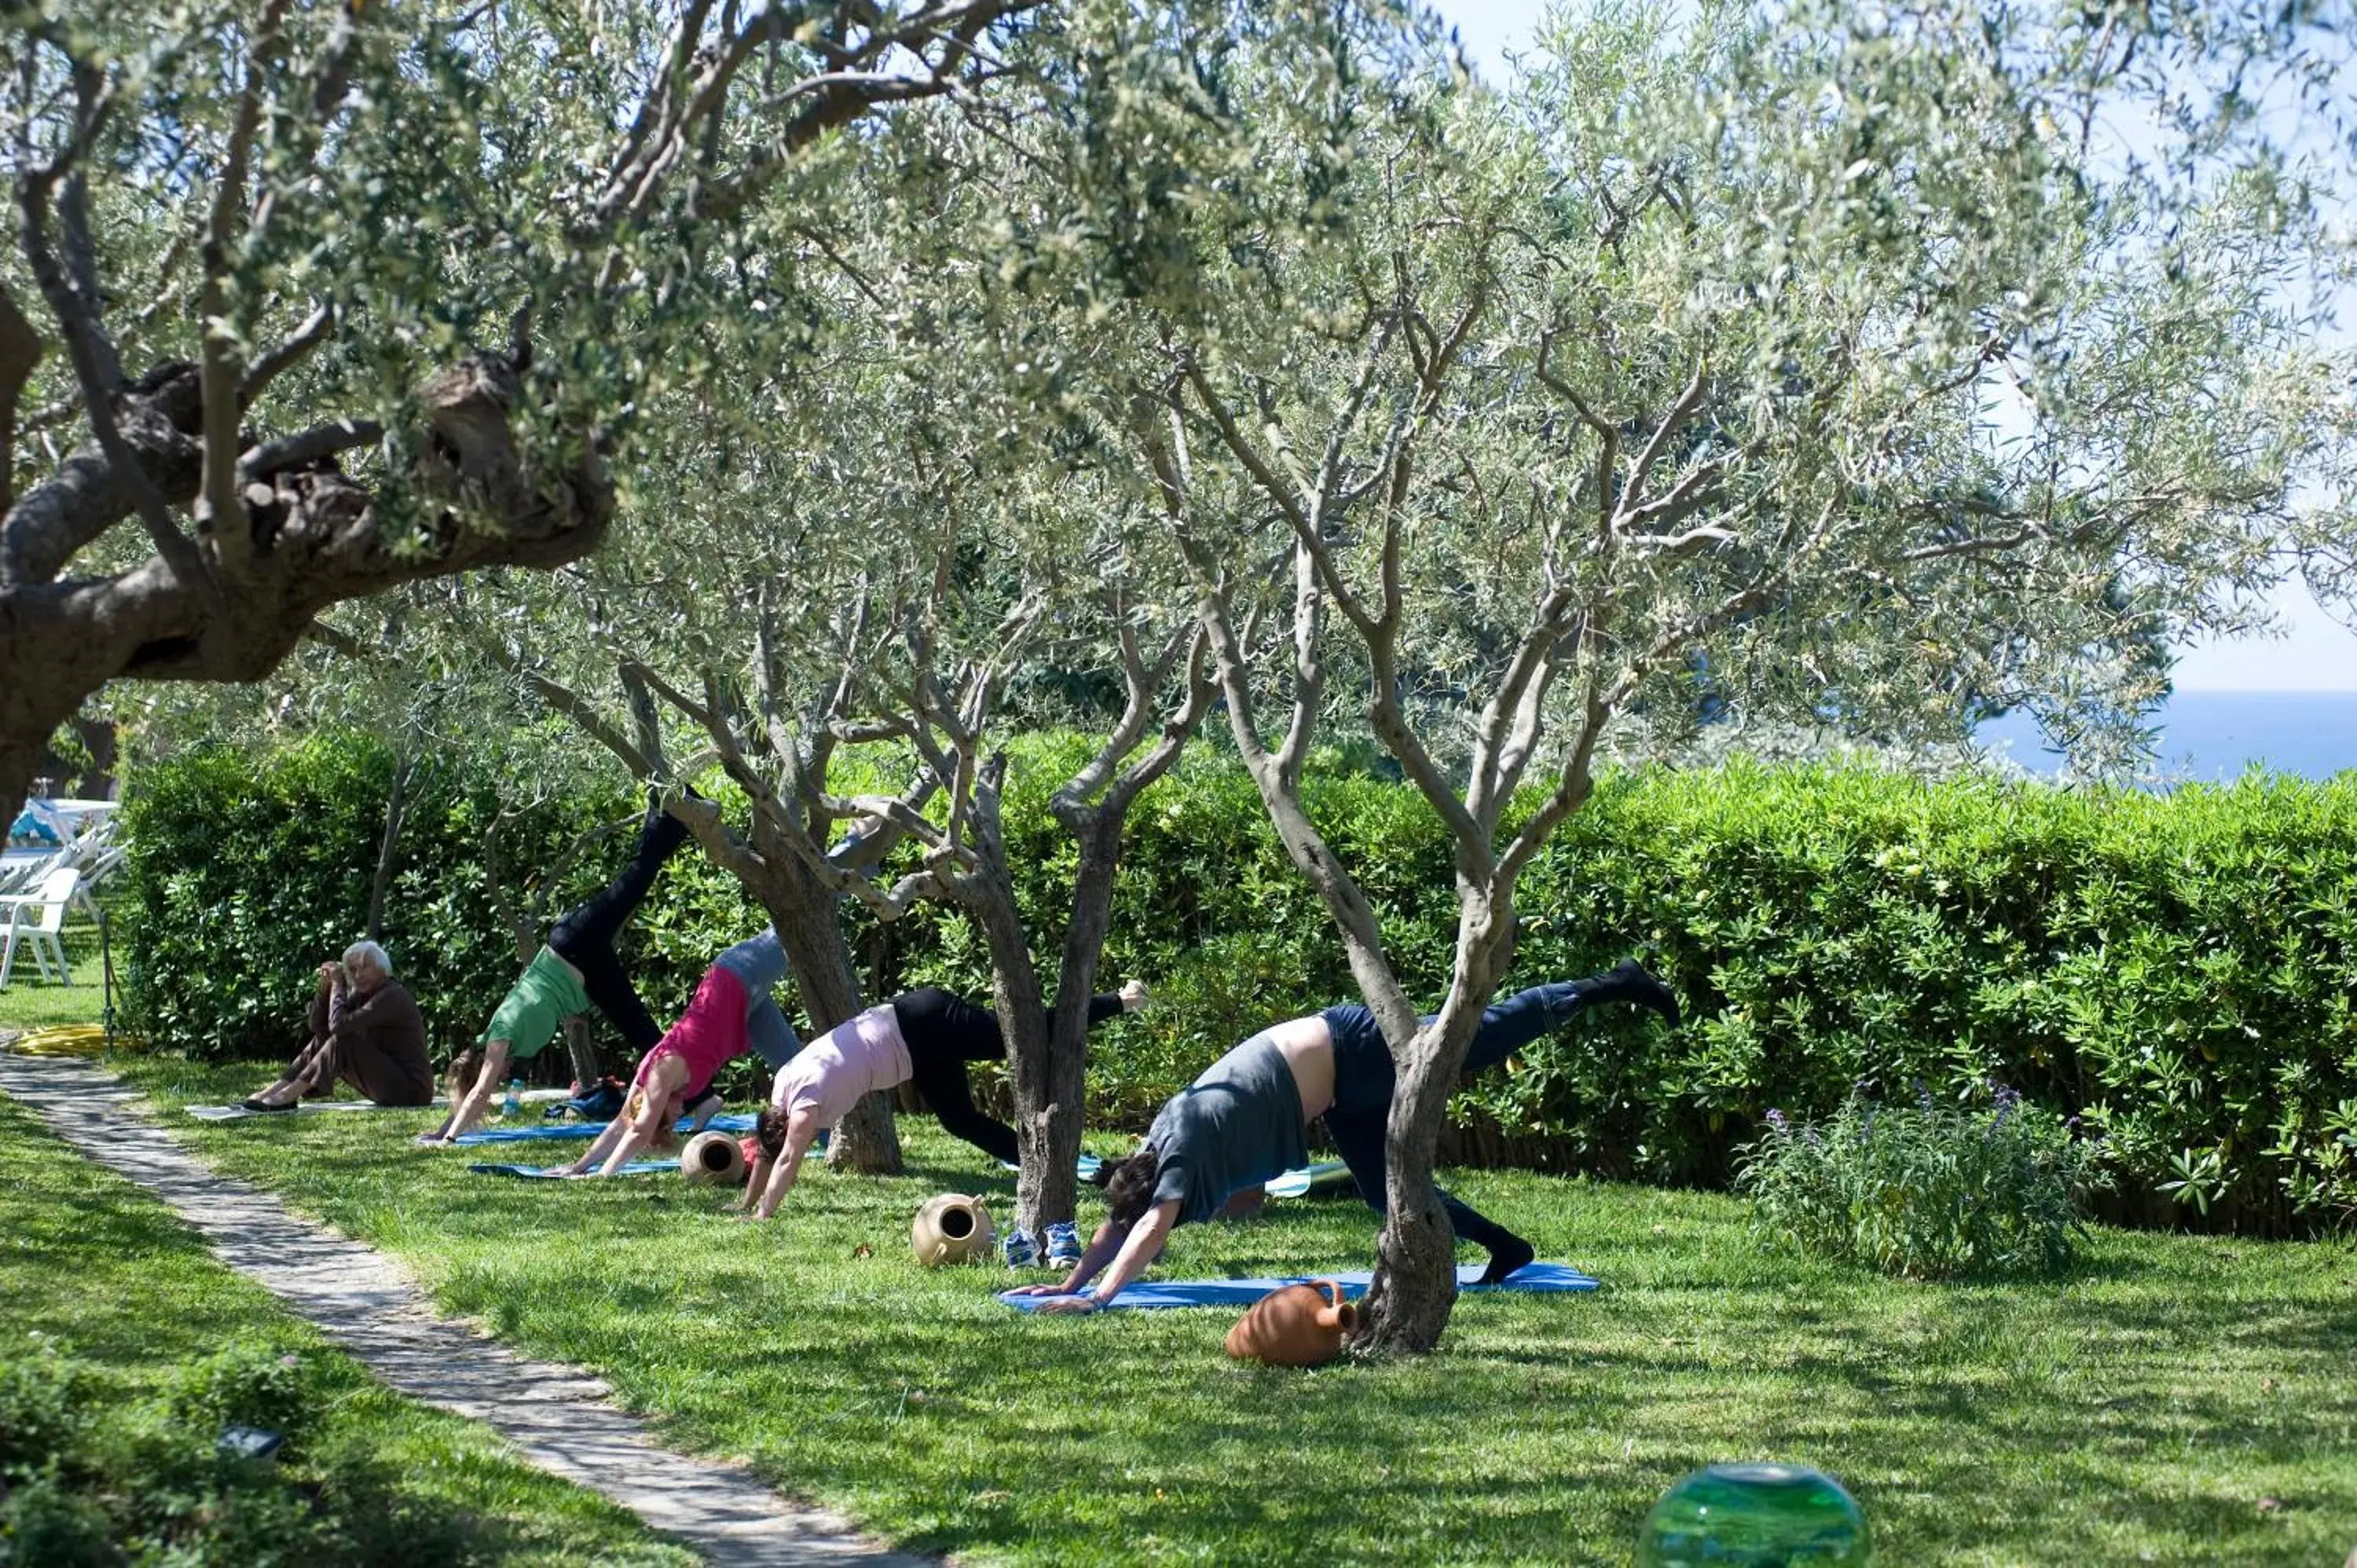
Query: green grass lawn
(95, 1266)
(2174, 1399)
(32, 1003)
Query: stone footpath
(559, 1418)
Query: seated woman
(923, 1037)
(576, 970)
(1244, 1121)
(365, 1030)
(732, 1013)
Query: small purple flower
(1776, 1119)
(1923, 1095)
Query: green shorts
(543, 997)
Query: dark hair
(769, 1127)
(1129, 1184)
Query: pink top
(851, 1059)
(709, 1035)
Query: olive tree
(896, 566)
(353, 295)
(1817, 360)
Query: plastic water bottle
(512, 1104)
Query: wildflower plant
(1925, 1190)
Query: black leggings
(943, 1031)
(1364, 1081)
(584, 937)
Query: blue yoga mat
(1086, 1165)
(1329, 1176)
(540, 1131)
(557, 1173)
(1546, 1279)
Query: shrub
(2178, 970)
(247, 1384)
(1926, 1191)
(247, 871)
(94, 1472)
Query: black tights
(584, 937)
(943, 1031)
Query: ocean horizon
(2214, 735)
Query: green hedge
(2177, 971)
(247, 871)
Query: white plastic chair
(34, 918)
(96, 869)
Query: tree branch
(306, 447)
(219, 364)
(276, 363)
(20, 351)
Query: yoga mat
(546, 1130)
(1326, 1175)
(1546, 1279)
(1086, 1165)
(557, 1173)
(1329, 1176)
(314, 1107)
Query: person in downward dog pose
(925, 1036)
(1244, 1120)
(575, 970)
(732, 1013)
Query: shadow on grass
(2142, 1402)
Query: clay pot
(712, 1159)
(951, 1228)
(1295, 1326)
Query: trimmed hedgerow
(2177, 971)
(247, 871)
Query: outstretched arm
(754, 1182)
(799, 1130)
(659, 1085)
(1144, 1240)
(613, 1132)
(1113, 1004)
(469, 1108)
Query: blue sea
(2207, 736)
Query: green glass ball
(1755, 1516)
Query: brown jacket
(379, 1041)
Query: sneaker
(1019, 1250)
(1064, 1245)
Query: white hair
(373, 953)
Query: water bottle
(512, 1104)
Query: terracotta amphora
(1295, 1326)
(712, 1158)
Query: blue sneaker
(1019, 1251)
(1064, 1245)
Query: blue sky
(2317, 654)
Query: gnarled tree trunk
(1044, 1071)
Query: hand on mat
(432, 1140)
(1071, 1303)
